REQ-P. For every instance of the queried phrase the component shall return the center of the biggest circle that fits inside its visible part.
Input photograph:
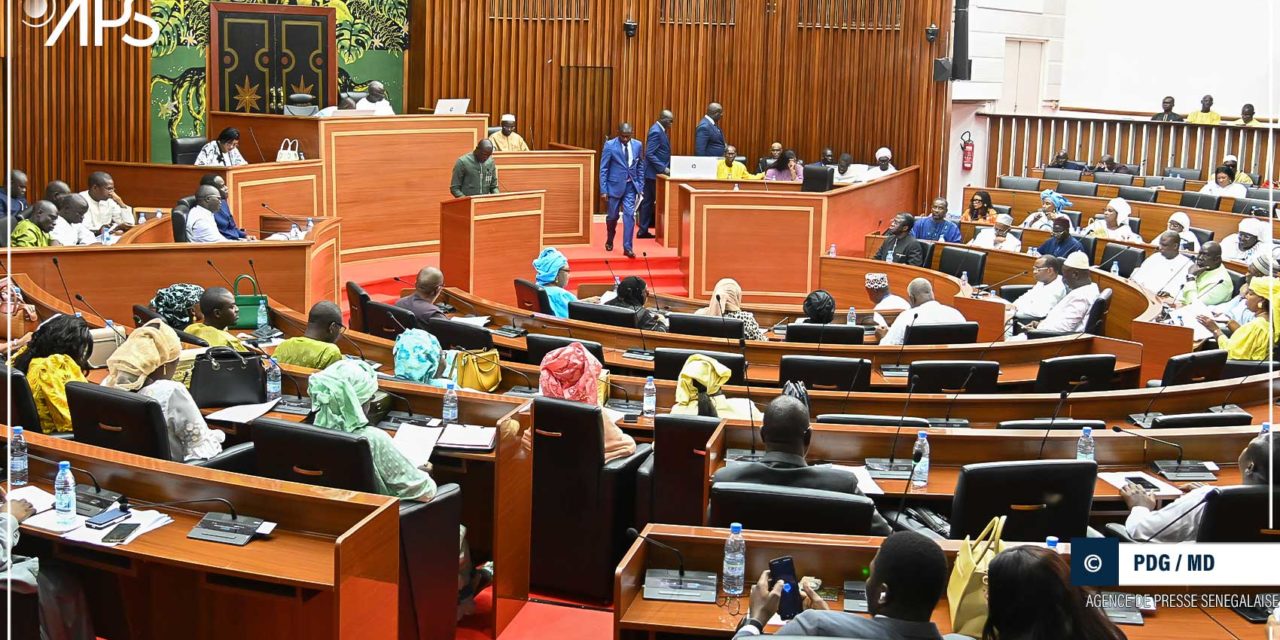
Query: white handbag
(288, 151)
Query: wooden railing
(1021, 142)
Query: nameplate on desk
(509, 332)
(738, 456)
(894, 370)
(294, 405)
(883, 469)
(220, 527)
(638, 354)
(667, 584)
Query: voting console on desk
(668, 584)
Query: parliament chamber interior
(640, 319)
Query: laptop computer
(452, 106)
(699, 167)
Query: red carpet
(540, 620)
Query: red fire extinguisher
(966, 147)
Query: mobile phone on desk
(121, 532)
(106, 519)
(783, 569)
(1142, 482)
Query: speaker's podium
(487, 241)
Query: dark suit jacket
(907, 250)
(657, 152)
(708, 140)
(789, 470)
(615, 175)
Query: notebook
(468, 436)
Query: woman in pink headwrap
(572, 373)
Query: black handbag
(224, 377)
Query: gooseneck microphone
(916, 457)
(290, 219)
(1167, 443)
(946, 421)
(997, 285)
(110, 325)
(65, 290)
(220, 274)
(1175, 470)
(633, 534)
(746, 380)
(885, 467)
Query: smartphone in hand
(784, 570)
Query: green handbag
(248, 304)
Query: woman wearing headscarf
(552, 272)
(58, 353)
(1237, 308)
(1224, 184)
(145, 363)
(572, 373)
(698, 391)
(632, 294)
(1051, 204)
(1180, 224)
(726, 302)
(1115, 224)
(1252, 237)
(177, 303)
(1253, 340)
(980, 208)
(819, 307)
(418, 358)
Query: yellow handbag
(966, 595)
(477, 370)
(602, 390)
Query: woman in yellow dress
(57, 354)
(1254, 339)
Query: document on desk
(468, 436)
(48, 521)
(866, 484)
(39, 499)
(147, 520)
(1119, 479)
(244, 413)
(417, 442)
(1186, 317)
(475, 321)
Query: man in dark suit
(708, 140)
(786, 437)
(657, 161)
(620, 176)
(907, 578)
(899, 245)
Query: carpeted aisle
(539, 621)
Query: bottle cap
(1051, 542)
(924, 435)
(450, 387)
(1088, 431)
(735, 528)
(274, 361)
(64, 465)
(17, 431)
(649, 379)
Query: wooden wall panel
(854, 89)
(72, 103)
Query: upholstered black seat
(1019, 183)
(1056, 424)
(778, 508)
(1206, 419)
(954, 376)
(1120, 179)
(1095, 323)
(1186, 173)
(532, 297)
(1090, 244)
(818, 178)
(459, 335)
(1054, 173)
(1203, 235)
(357, 300)
(178, 222)
(1252, 207)
(1198, 200)
(826, 333)
(1077, 188)
(387, 320)
(951, 333)
(1065, 373)
(1239, 514)
(186, 150)
(866, 419)
(1197, 366)
(956, 261)
(826, 373)
(1137, 194)
(602, 314)
(710, 326)
(669, 484)
(1130, 258)
(118, 420)
(1040, 498)
(537, 346)
(667, 363)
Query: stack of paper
(417, 443)
(1119, 479)
(147, 520)
(475, 321)
(40, 499)
(468, 436)
(244, 413)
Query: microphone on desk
(1062, 400)
(1167, 443)
(1175, 470)
(633, 534)
(885, 466)
(916, 457)
(110, 325)
(230, 507)
(946, 421)
(999, 337)
(652, 285)
(1226, 407)
(471, 308)
(746, 380)
(992, 287)
(99, 498)
(220, 274)
(65, 289)
(1145, 418)
(290, 219)
(254, 137)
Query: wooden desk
(484, 236)
(328, 571)
(829, 557)
(568, 177)
(114, 278)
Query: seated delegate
(315, 348)
(552, 272)
(924, 310)
(936, 227)
(1256, 339)
(726, 302)
(699, 391)
(572, 373)
(633, 294)
(899, 245)
(418, 358)
(997, 236)
(58, 353)
(218, 311)
(223, 152)
(1071, 313)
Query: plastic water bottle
(921, 476)
(617, 282)
(1085, 445)
(17, 458)
(650, 407)
(735, 187)
(831, 251)
(311, 224)
(852, 318)
(1266, 428)
(964, 278)
(1034, 252)
(264, 324)
(273, 380)
(450, 410)
(159, 214)
(105, 238)
(64, 495)
(142, 216)
(1052, 543)
(735, 561)
(1115, 269)
(1273, 625)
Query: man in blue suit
(709, 139)
(657, 161)
(620, 179)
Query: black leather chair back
(17, 396)
(537, 346)
(1012, 292)
(762, 507)
(1077, 188)
(459, 335)
(178, 221)
(308, 454)
(1074, 217)
(1259, 193)
(1054, 173)
(602, 314)
(710, 326)
(1138, 194)
(1203, 235)
(951, 333)
(1252, 207)
(186, 150)
(667, 363)
(1096, 323)
(1237, 281)
(955, 261)
(1172, 183)
(1064, 373)
(866, 419)
(118, 420)
(679, 473)
(1130, 258)
(1090, 244)
(1197, 366)
(387, 320)
(532, 297)
(1135, 225)
(1239, 514)
(184, 204)
(1206, 419)
(1003, 208)
(826, 333)
(955, 376)
(823, 373)
(818, 179)
(926, 252)
(1186, 173)
(357, 300)
(1040, 497)
(1019, 183)
(1121, 179)
(1198, 200)
(1057, 424)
